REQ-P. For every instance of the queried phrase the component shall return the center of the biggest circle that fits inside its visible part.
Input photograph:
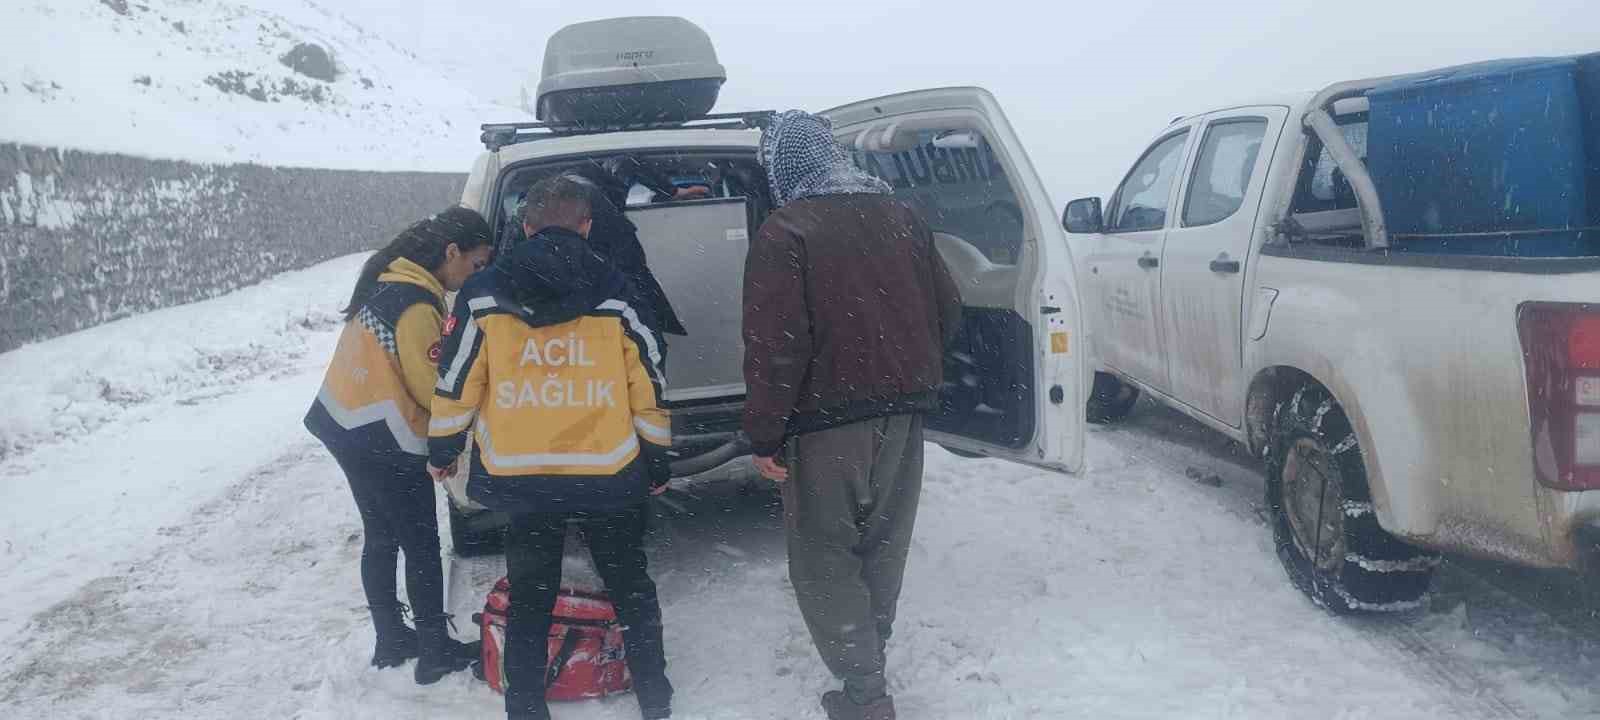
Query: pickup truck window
(1142, 199)
(1222, 174)
(1323, 187)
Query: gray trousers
(849, 507)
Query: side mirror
(1083, 216)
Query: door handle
(1149, 262)
(1224, 265)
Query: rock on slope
(279, 82)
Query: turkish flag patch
(449, 325)
(433, 352)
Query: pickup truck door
(1017, 380)
(1125, 262)
(1206, 257)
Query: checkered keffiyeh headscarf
(803, 160)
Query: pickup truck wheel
(467, 540)
(1326, 532)
(1111, 400)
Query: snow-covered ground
(175, 545)
(117, 432)
(208, 81)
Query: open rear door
(1017, 380)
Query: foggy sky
(1087, 86)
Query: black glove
(658, 466)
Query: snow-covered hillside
(280, 82)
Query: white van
(1016, 381)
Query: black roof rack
(499, 135)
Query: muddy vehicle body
(1412, 346)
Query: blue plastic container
(1589, 101)
(1494, 147)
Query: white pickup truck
(1410, 393)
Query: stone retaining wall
(89, 237)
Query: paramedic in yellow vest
(372, 414)
(551, 365)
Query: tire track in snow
(1461, 685)
(1539, 638)
(175, 632)
(1469, 692)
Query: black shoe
(839, 706)
(395, 649)
(440, 654)
(396, 642)
(538, 711)
(470, 650)
(542, 713)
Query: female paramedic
(372, 414)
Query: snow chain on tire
(1362, 568)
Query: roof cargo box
(1483, 159)
(628, 71)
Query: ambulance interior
(697, 248)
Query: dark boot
(539, 710)
(539, 713)
(440, 653)
(397, 642)
(655, 697)
(840, 706)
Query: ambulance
(1016, 381)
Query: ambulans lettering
(557, 352)
(966, 165)
(917, 164)
(943, 170)
(929, 165)
(556, 392)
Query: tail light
(1561, 351)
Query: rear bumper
(735, 448)
(1575, 529)
(706, 435)
(1564, 534)
(700, 426)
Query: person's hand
(660, 476)
(658, 468)
(692, 192)
(440, 475)
(771, 469)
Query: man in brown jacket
(847, 309)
